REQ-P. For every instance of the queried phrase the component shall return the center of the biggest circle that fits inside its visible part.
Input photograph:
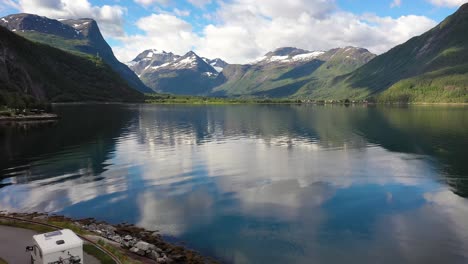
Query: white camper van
(58, 247)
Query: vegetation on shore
(187, 99)
(89, 228)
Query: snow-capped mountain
(289, 71)
(218, 64)
(73, 35)
(149, 59)
(169, 73)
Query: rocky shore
(139, 244)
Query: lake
(255, 183)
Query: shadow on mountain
(302, 70)
(282, 91)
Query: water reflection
(257, 184)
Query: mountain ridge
(431, 67)
(80, 36)
(166, 72)
(36, 72)
(285, 72)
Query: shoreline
(35, 117)
(227, 102)
(131, 243)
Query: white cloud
(179, 12)
(151, 2)
(243, 30)
(249, 29)
(109, 17)
(448, 3)
(200, 3)
(163, 32)
(5, 4)
(395, 3)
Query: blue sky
(242, 30)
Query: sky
(240, 31)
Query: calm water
(254, 183)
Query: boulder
(117, 239)
(128, 237)
(107, 228)
(154, 255)
(137, 251)
(142, 245)
(92, 227)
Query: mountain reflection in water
(256, 183)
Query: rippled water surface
(255, 183)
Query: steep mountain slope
(80, 36)
(36, 72)
(169, 73)
(429, 68)
(289, 71)
(218, 64)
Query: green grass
(95, 252)
(37, 228)
(124, 259)
(69, 45)
(199, 100)
(447, 85)
(2, 261)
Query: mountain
(218, 64)
(168, 73)
(150, 58)
(32, 72)
(289, 72)
(80, 36)
(432, 67)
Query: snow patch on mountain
(307, 56)
(303, 56)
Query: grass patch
(2, 261)
(123, 258)
(200, 100)
(95, 252)
(37, 228)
